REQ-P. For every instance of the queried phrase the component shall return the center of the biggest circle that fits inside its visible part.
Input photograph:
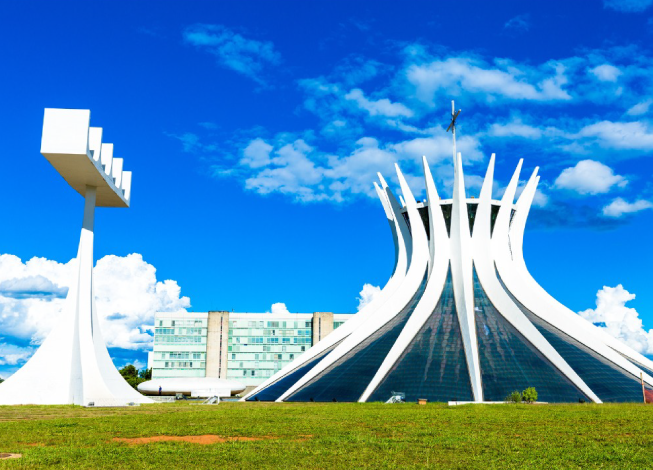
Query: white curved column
(462, 277)
(439, 255)
(484, 263)
(518, 280)
(400, 237)
(73, 364)
(409, 287)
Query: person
(160, 390)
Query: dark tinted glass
(471, 212)
(509, 362)
(276, 389)
(424, 215)
(637, 364)
(607, 380)
(347, 378)
(433, 366)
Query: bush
(529, 395)
(514, 397)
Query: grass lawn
(333, 435)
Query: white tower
(73, 366)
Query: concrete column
(322, 325)
(217, 339)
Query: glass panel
(607, 380)
(346, 379)
(509, 362)
(433, 366)
(276, 389)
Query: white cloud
(309, 175)
(127, 296)
(606, 72)
(291, 172)
(256, 154)
(619, 207)
(627, 6)
(640, 108)
(618, 135)
(10, 354)
(515, 128)
(620, 321)
(279, 308)
(455, 76)
(540, 199)
(246, 56)
(589, 177)
(382, 107)
(367, 295)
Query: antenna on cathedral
(452, 126)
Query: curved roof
(196, 386)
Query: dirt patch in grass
(204, 439)
(10, 456)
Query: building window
(233, 356)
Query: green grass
(343, 436)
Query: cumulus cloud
(367, 295)
(246, 56)
(11, 354)
(515, 128)
(363, 116)
(476, 78)
(627, 6)
(256, 154)
(640, 108)
(382, 107)
(619, 207)
(279, 308)
(620, 321)
(606, 72)
(589, 177)
(618, 135)
(127, 296)
(308, 174)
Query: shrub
(529, 395)
(514, 397)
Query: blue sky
(254, 131)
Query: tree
(1, 380)
(131, 375)
(145, 374)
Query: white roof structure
(194, 386)
(73, 366)
(461, 318)
(76, 151)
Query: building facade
(248, 347)
(461, 318)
